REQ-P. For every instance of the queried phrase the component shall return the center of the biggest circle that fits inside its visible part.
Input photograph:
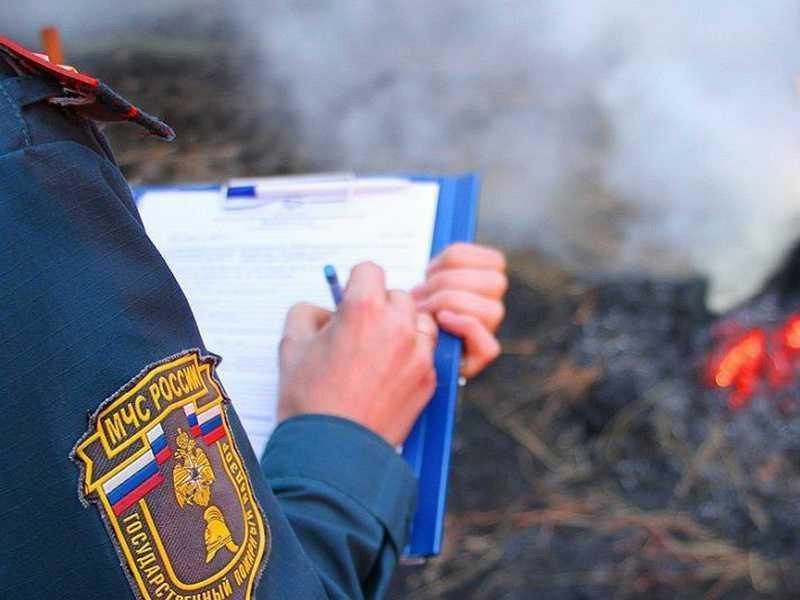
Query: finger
(304, 320)
(428, 331)
(486, 282)
(474, 256)
(427, 335)
(488, 311)
(403, 303)
(481, 347)
(367, 283)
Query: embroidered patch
(160, 462)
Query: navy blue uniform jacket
(87, 303)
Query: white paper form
(242, 269)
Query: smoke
(83, 20)
(705, 121)
(660, 136)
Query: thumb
(304, 320)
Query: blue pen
(333, 283)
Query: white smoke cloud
(706, 132)
(684, 111)
(660, 136)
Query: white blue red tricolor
(210, 422)
(191, 416)
(160, 461)
(133, 483)
(158, 444)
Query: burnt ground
(589, 462)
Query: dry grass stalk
(656, 537)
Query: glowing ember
(791, 333)
(754, 358)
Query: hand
(370, 362)
(464, 290)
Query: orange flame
(791, 333)
(757, 355)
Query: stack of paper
(243, 263)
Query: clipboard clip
(241, 194)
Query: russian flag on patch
(211, 424)
(191, 416)
(158, 444)
(133, 483)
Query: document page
(242, 265)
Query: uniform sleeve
(86, 302)
(349, 497)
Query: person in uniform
(125, 471)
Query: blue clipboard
(427, 449)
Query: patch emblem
(160, 462)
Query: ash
(591, 461)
